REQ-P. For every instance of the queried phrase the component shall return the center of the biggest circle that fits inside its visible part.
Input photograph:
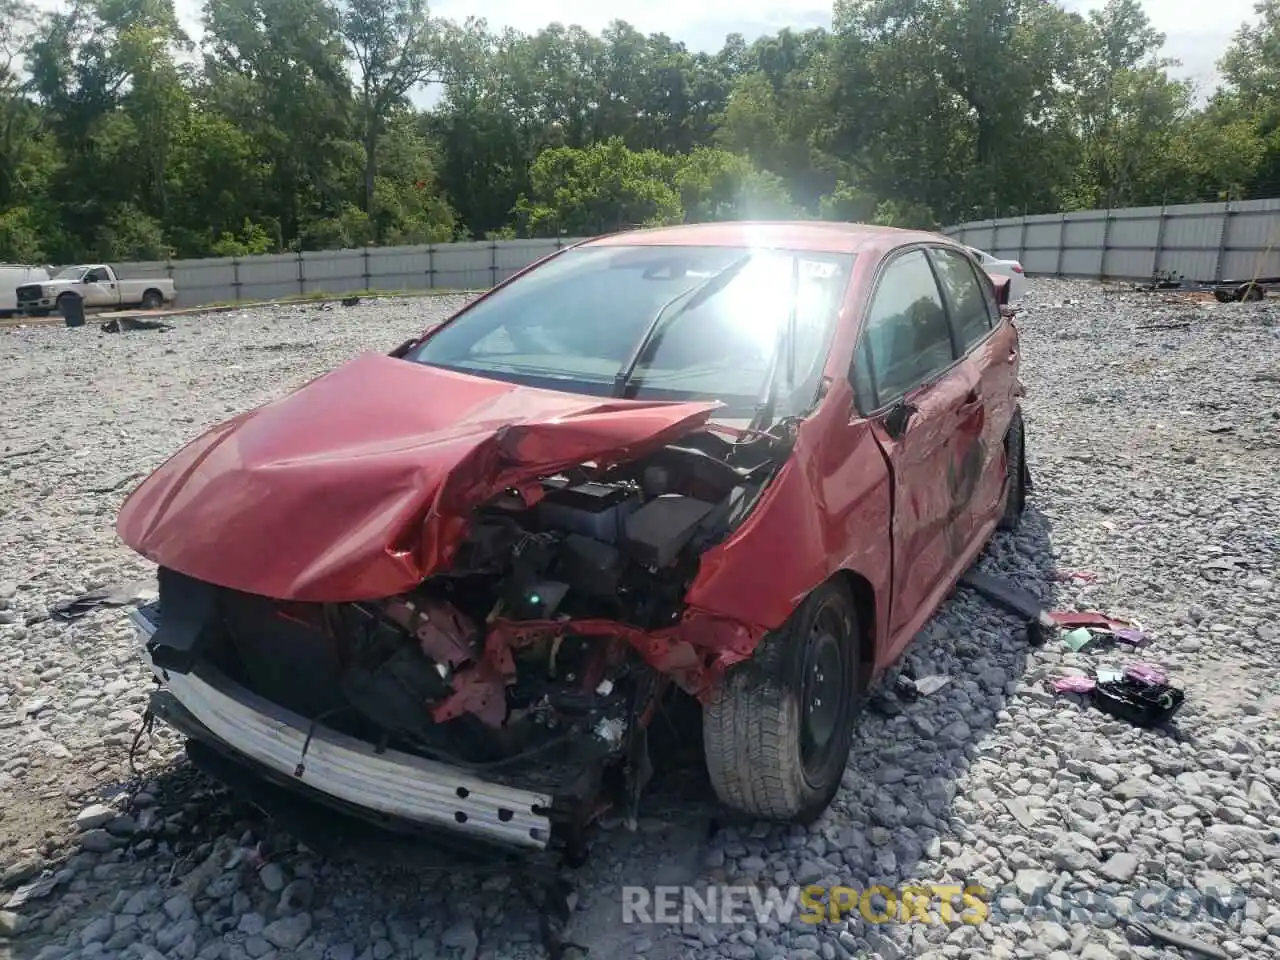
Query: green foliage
(130, 234)
(253, 238)
(718, 185)
(291, 125)
(20, 236)
(351, 227)
(846, 203)
(599, 189)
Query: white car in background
(12, 276)
(1005, 268)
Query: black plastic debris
(1156, 935)
(1013, 599)
(125, 324)
(120, 595)
(1139, 702)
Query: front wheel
(1016, 474)
(779, 727)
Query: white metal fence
(1236, 240)
(455, 266)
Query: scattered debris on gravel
(1154, 441)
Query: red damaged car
(450, 587)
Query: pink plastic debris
(1146, 673)
(1074, 684)
(1070, 619)
(1130, 635)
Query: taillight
(1017, 268)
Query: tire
(763, 759)
(1015, 449)
(152, 300)
(1252, 292)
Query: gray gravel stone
(97, 840)
(95, 815)
(272, 877)
(288, 932)
(96, 930)
(251, 924)
(1120, 867)
(178, 907)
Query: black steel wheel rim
(824, 695)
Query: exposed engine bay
(622, 545)
(531, 659)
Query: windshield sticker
(818, 269)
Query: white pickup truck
(97, 287)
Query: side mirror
(898, 418)
(1001, 285)
(400, 352)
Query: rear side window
(906, 339)
(970, 311)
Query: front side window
(906, 335)
(655, 322)
(970, 310)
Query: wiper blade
(693, 295)
(760, 420)
(674, 376)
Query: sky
(1197, 31)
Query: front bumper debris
(390, 784)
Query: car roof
(814, 235)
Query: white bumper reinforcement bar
(392, 783)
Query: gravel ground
(1154, 439)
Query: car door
(989, 344)
(100, 288)
(922, 407)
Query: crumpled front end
(459, 577)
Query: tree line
(290, 124)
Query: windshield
(710, 321)
(70, 273)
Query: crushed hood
(360, 484)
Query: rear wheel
(152, 300)
(1015, 449)
(778, 729)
